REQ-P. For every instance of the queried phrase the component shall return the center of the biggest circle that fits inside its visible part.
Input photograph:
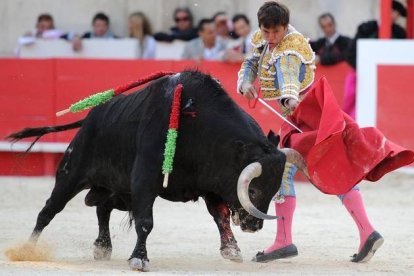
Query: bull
(221, 155)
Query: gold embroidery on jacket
(292, 44)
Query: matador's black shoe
(373, 242)
(281, 253)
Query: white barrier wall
(172, 50)
(371, 54)
(98, 48)
(91, 48)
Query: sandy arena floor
(185, 240)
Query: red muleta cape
(338, 153)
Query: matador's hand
(248, 90)
(291, 104)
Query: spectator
(331, 48)
(243, 30)
(100, 29)
(398, 10)
(223, 26)
(45, 29)
(367, 29)
(183, 29)
(140, 28)
(207, 46)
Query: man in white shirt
(207, 46)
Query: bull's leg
(101, 199)
(143, 198)
(103, 244)
(221, 214)
(63, 191)
(146, 180)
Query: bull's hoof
(138, 264)
(232, 254)
(102, 253)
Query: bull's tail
(38, 132)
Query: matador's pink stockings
(284, 226)
(355, 205)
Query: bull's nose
(251, 228)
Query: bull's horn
(294, 157)
(251, 171)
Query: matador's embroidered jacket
(285, 71)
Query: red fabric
(132, 84)
(339, 154)
(175, 109)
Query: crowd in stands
(215, 38)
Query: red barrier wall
(32, 91)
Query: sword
(278, 114)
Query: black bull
(118, 154)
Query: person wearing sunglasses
(183, 29)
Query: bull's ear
(274, 139)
